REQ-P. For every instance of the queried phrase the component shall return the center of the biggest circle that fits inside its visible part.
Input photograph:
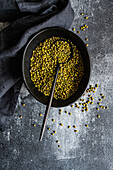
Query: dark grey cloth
(26, 21)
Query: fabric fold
(13, 40)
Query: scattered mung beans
(98, 116)
(75, 130)
(86, 125)
(86, 17)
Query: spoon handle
(48, 107)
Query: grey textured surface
(92, 147)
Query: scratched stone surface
(91, 148)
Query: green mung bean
(43, 65)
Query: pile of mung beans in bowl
(40, 62)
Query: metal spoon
(52, 91)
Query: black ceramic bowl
(41, 36)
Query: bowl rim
(23, 66)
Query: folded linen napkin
(25, 22)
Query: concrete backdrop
(91, 148)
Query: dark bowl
(41, 36)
